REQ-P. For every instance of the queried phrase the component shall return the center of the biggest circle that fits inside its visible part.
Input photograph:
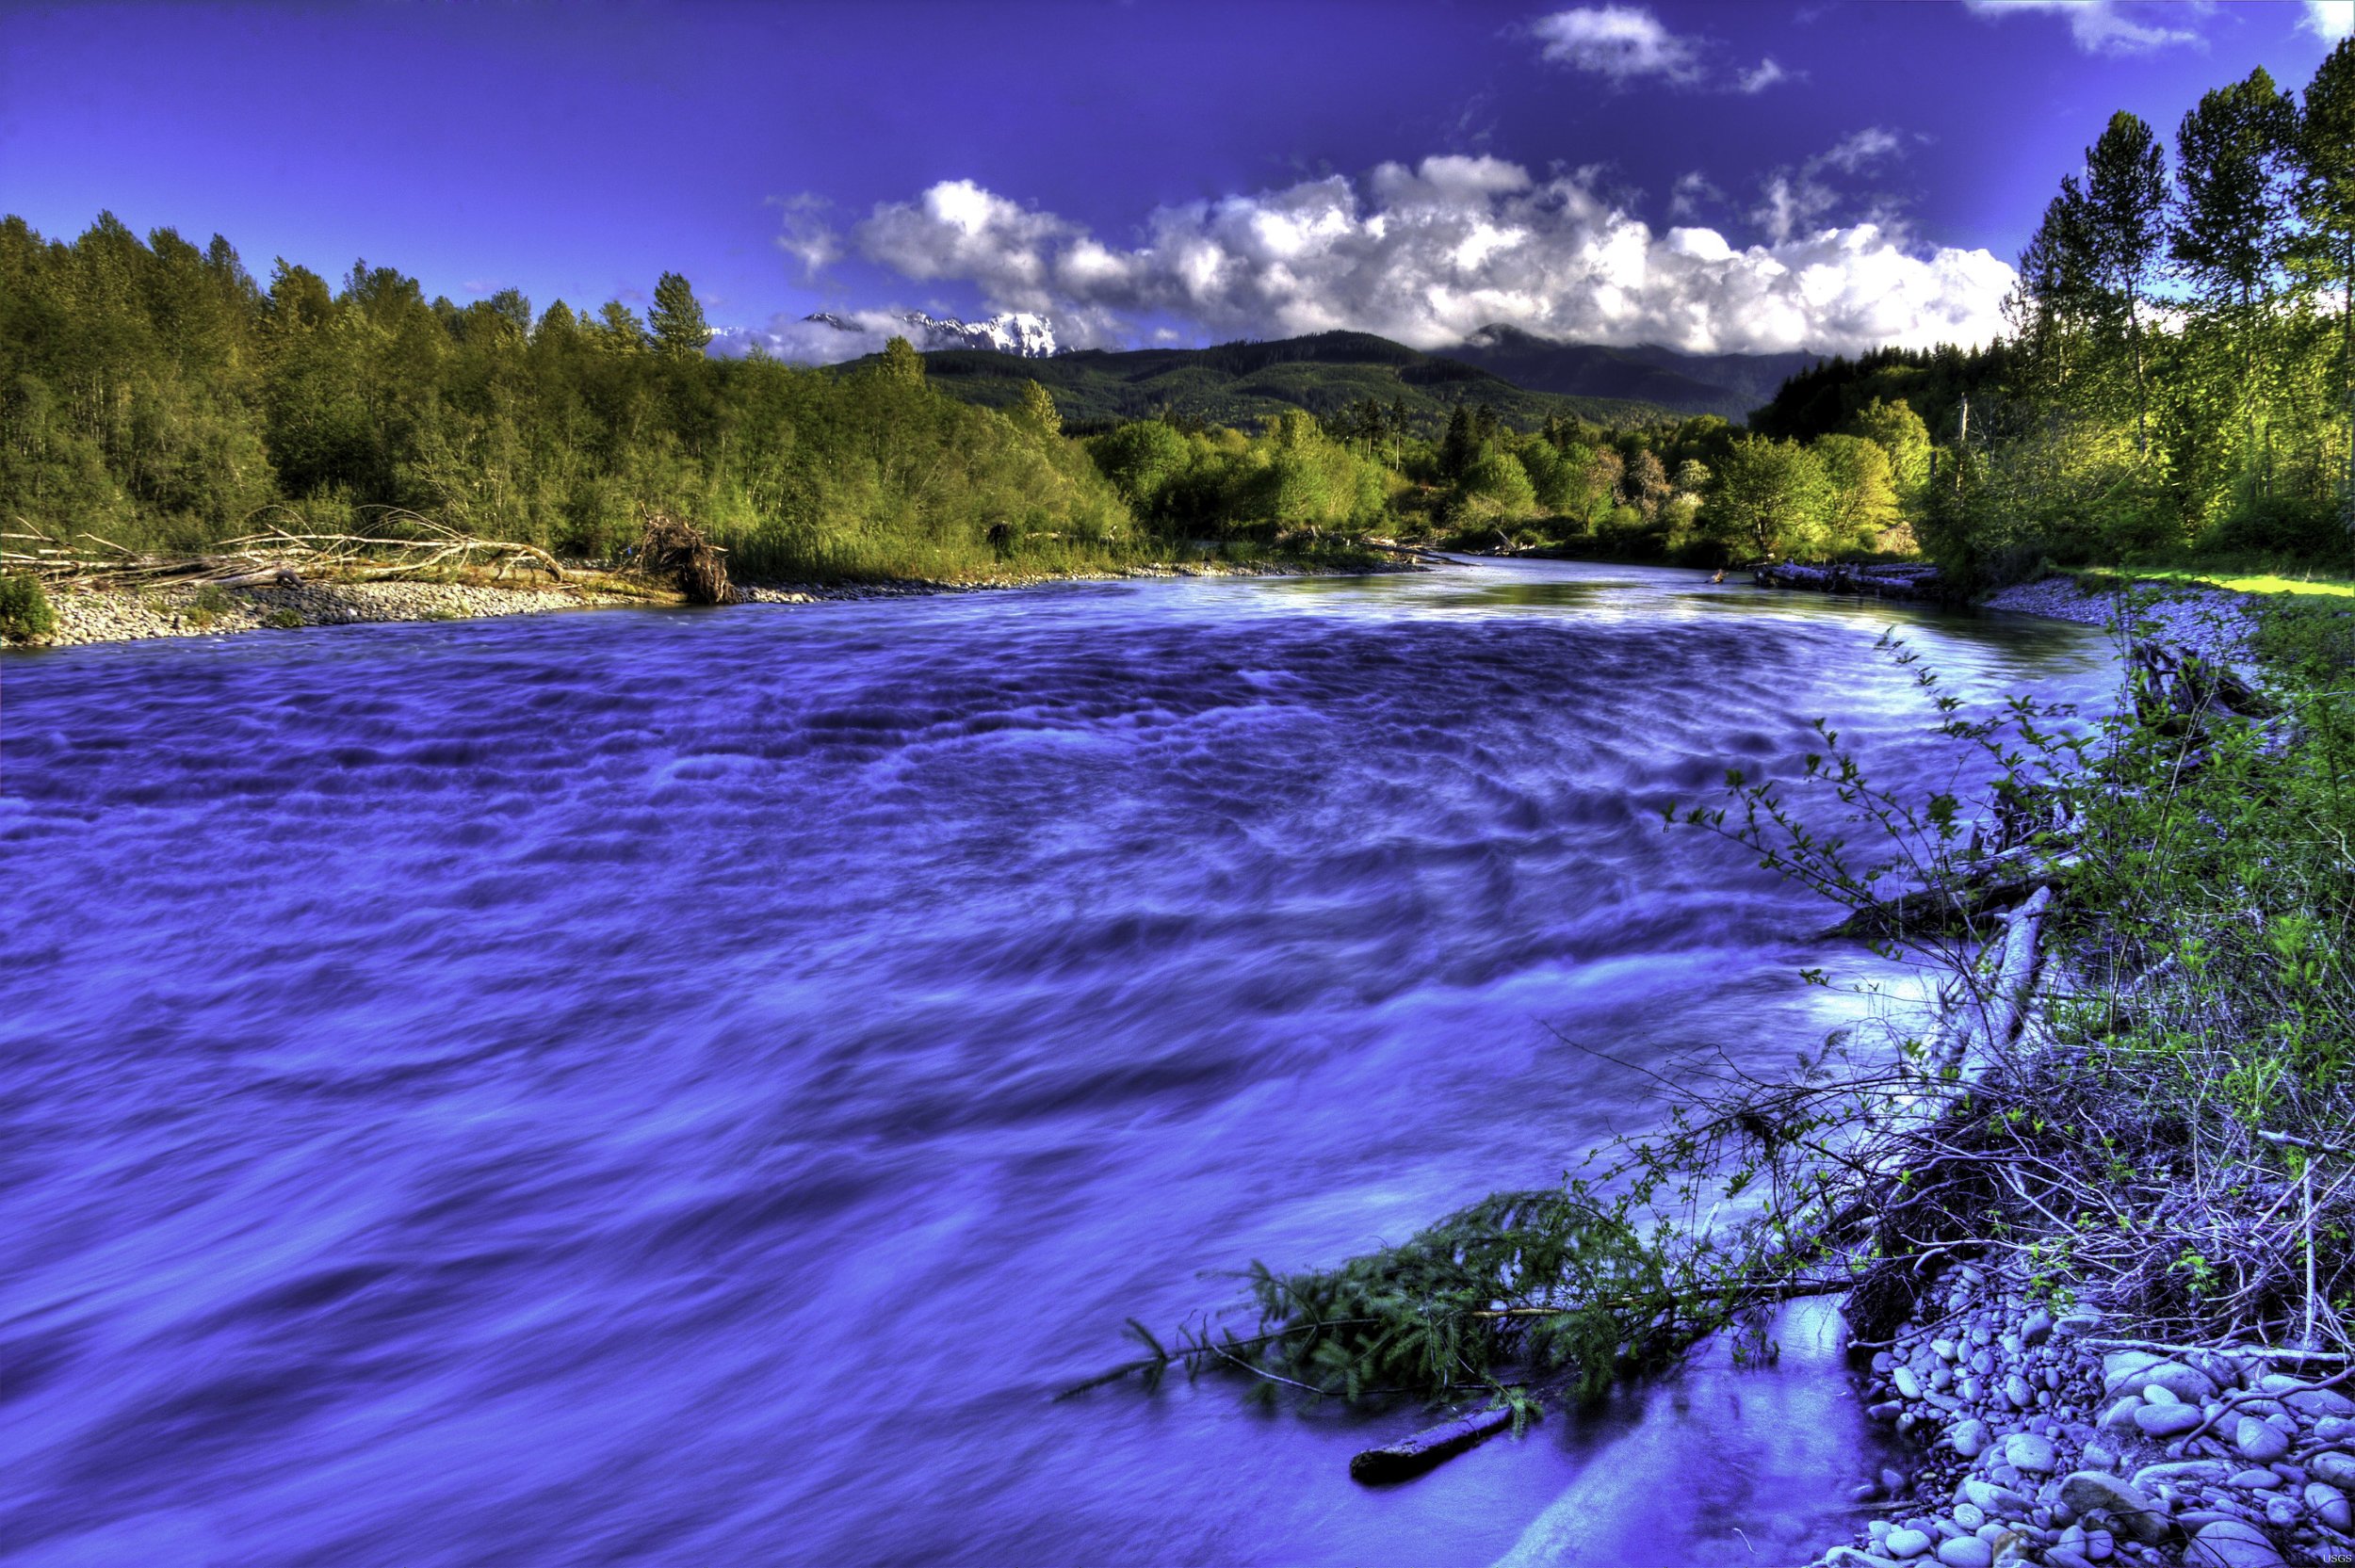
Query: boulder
(2334, 1467)
(1965, 1551)
(2164, 1421)
(2131, 1509)
(2120, 1416)
(2029, 1453)
(2260, 1441)
(2130, 1372)
(1996, 1502)
(1906, 1544)
(2184, 1472)
(2230, 1543)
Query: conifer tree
(676, 319)
(2125, 206)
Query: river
(681, 1087)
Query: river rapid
(672, 1086)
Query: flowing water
(687, 1088)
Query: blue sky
(1138, 171)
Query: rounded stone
(2131, 1509)
(1969, 1438)
(2330, 1505)
(2167, 1420)
(2261, 1442)
(2230, 1543)
(2336, 1467)
(2027, 1452)
(1906, 1544)
(1965, 1551)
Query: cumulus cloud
(1429, 253)
(2331, 19)
(2100, 26)
(1623, 43)
(1626, 43)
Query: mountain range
(1606, 383)
(1727, 384)
(1246, 384)
(1523, 377)
(1016, 332)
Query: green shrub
(284, 620)
(25, 612)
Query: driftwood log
(1427, 1449)
(1885, 582)
(287, 550)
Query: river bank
(2074, 1397)
(86, 615)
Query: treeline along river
(676, 1086)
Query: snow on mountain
(1019, 332)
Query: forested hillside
(154, 394)
(1729, 385)
(1248, 383)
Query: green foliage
(1547, 1283)
(676, 320)
(154, 396)
(25, 615)
(2222, 425)
(1771, 499)
(1898, 432)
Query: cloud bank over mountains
(1426, 255)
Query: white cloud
(1626, 43)
(1693, 190)
(1622, 42)
(2104, 26)
(805, 236)
(1852, 153)
(2331, 19)
(1429, 253)
(1797, 201)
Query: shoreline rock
(141, 612)
(2214, 623)
(2034, 1450)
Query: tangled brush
(673, 548)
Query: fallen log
(1888, 582)
(1425, 1450)
(1936, 909)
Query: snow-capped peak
(1019, 333)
